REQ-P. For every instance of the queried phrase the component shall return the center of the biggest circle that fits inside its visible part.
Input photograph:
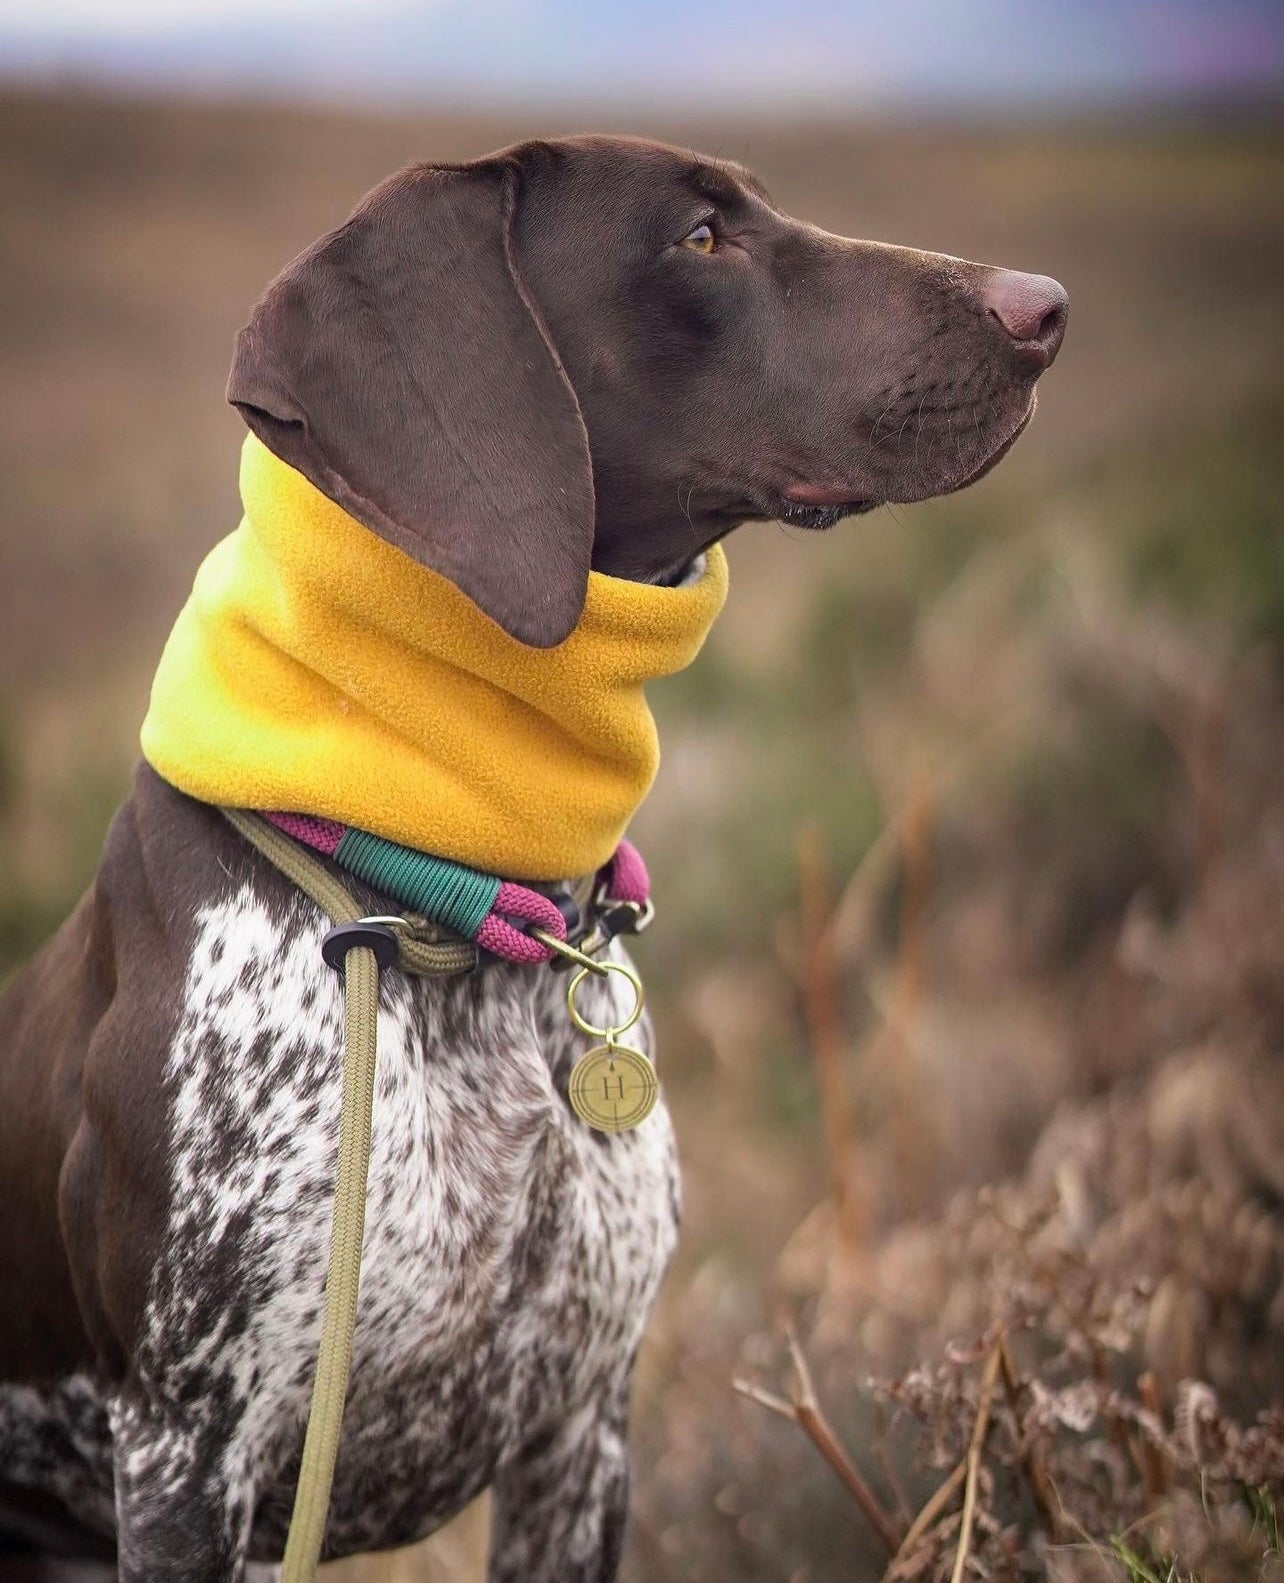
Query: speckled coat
(511, 1255)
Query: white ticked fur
(510, 1261)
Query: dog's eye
(701, 240)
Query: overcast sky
(123, 17)
(800, 53)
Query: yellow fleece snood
(316, 669)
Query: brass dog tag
(613, 1088)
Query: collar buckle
(610, 918)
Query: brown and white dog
(628, 350)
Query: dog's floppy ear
(402, 367)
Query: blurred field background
(968, 845)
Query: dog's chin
(950, 484)
(821, 507)
(997, 455)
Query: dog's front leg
(183, 1502)
(560, 1506)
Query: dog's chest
(510, 1256)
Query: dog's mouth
(822, 514)
(811, 505)
(774, 506)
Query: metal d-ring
(613, 1033)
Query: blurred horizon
(817, 58)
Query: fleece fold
(317, 669)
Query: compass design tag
(613, 1088)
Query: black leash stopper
(345, 937)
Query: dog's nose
(1032, 309)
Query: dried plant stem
(910, 1125)
(1154, 1468)
(973, 1460)
(942, 1496)
(1040, 1486)
(892, 1480)
(852, 919)
(804, 1409)
(1204, 752)
(932, 1509)
(825, 1033)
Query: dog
(615, 352)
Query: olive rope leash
(360, 970)
(612, 1087)
(359, 949)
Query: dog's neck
(316, 669)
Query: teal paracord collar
(478, 906)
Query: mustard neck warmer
(316, 669)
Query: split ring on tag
(613, 1087)
(594, 1032)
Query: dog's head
(604, 352)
